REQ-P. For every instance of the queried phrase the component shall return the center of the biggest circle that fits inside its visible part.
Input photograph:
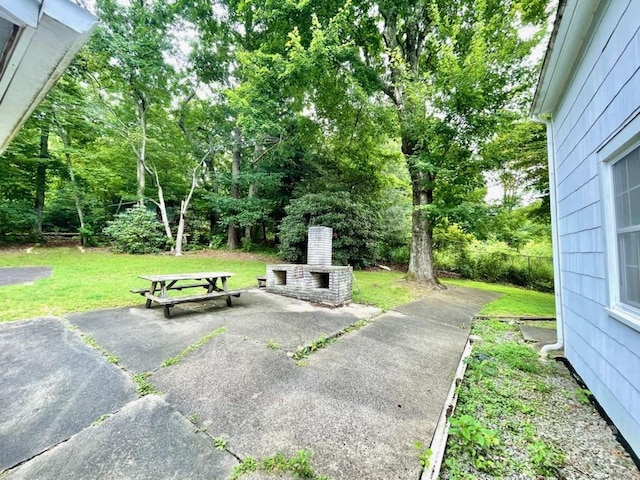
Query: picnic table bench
(162, 284)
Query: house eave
(570, 31)
(38, 56)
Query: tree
(133, 73)
(519, 153)
(445, 66)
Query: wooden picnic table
(162, 284)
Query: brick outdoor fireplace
(316, 281)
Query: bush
(136, 231)
(16, 216)
(60, 214)
(354, 228)
(490, 263)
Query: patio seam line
(426, 319)
(76, 330)
(338, 334)
(61, 442)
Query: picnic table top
(186, 276)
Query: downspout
(555, 236)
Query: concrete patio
(358, 404)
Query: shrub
(354, 228)
(491, 263)
(136, 231)
(16, 216)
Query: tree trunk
(232, 237)
(184, 206)
(180, 233)
(64, 135)
(76, 196)
(421, 260)
(41, 177)
(250, 194)
(141, 157)
(163, 211)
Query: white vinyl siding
(596, 125)
(626, 185)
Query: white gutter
(555, 236)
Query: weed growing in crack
(111, 358)
(424, 454)
(220, 443)
(272, 344)
(304, 351)
(193, 418)
(173, 360)
(100, 419)
(299, 466)
(276, 464)
(322, 341)
(248, 465)
(144, 386)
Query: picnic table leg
(163, 290)
(153, 292)
(224, 283)
(229, 304)
(167, 313)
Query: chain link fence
(530, 271)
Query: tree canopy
(230, 118)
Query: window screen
(626, 184)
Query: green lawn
(514, 301)
(384, 289)
(100, 279)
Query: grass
(100, 279)
(384, 289)
(514, 301)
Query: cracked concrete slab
(454, 306)
(293, 323)
(142, 338)
(17, 275)
(359, 405)
(228, 383)
(52, 386)
(543, 336)
(146, 439)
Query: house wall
(602, 96)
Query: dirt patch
(234, 255)
(74, 243)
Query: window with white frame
(626, 189)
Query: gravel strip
(524, 419)
(590, 445)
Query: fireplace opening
(280, 277)
(320, 279)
